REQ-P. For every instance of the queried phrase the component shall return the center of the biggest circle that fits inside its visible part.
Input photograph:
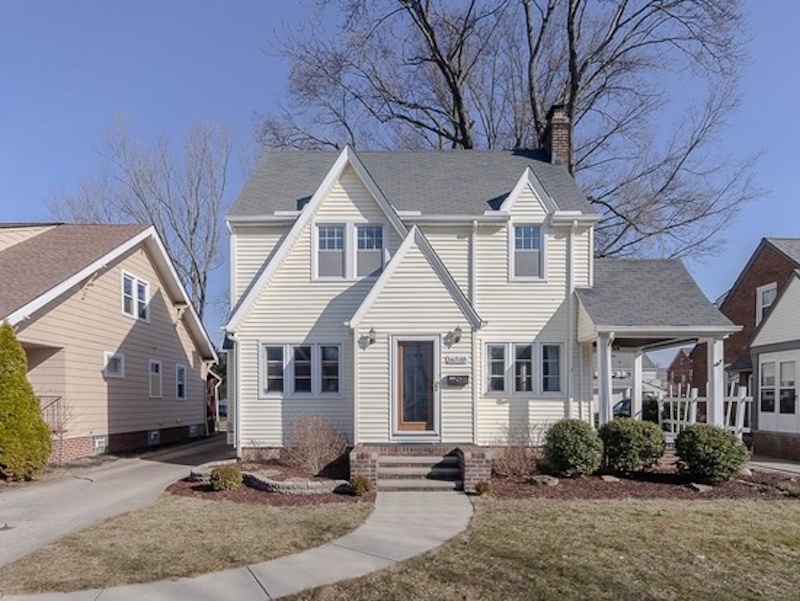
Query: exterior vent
(99, 444)
(193, 431)
(153, 437)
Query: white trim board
(346, 157)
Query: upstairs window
(135, 297)
(527, 252)
(330, 241)
(180, 382)
(369, 255)
(765, 298)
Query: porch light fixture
(372, 337)
(457, 335)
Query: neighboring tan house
(429, 301)
(680, 371)
(116, 354)
(746, 303)
(775, 351)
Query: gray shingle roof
(454, 182)
(34, 266)
(648, 293)
(788, 246)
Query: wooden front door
(416, 385)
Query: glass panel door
(415, 384)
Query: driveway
(39, 514)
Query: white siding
(783, 322)
(452, 246)
(586, 330)
(294, 308)
(253, 247)
(582, 248)
(528, 206)
(398, 311)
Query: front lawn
(178, 536)
(617, 550)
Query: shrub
(483, 488)
(25, 439)
(312, 442)
(227, 477)
(360, 485)
(709, 453)
(572, 448)
(518, 456)
(629, 444)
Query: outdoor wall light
(457, 335)
(372, 337)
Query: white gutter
(458, 219)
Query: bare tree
(180, 193)
(485, 73)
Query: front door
(416, 385)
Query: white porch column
(715, 389)
(604, 377)
(636, 389)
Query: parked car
(649, 409)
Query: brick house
(681, 371)
(746, 303)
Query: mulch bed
(663, 483)
(245, 494)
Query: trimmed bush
(630, 444)
(709, 454)
(25, 439)
(360, 485)
(312, 442)
(572, 448)
(227, 477)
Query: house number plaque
(456, 359)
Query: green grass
(602, 550)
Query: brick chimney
(557, 136)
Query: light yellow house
(431, 300)
(116, 354)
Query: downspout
(473, 239)
(355, 385)
(237, 421)
(571, 315)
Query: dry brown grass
(602, 550)
(177, 536)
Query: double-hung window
(349, 251)
(113, 365)
(302, 369)
(767, 387)
(135, 297)
(765, 297)
(155, 379)
(787, 391)
(527, 252)
(778, 387)
(331, 259)
(524, 368)
(180, 382)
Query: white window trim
(107, 355)
(288, 371)
(759, 293)
(350, 250)
(160, 379)
(135, 290)
(542, 250)
(178, 367)
(510, 373)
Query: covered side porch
(644, 305)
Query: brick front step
(418, 485)
(434, 473)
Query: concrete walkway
(39, 514)
(403, 524)
(778, 466)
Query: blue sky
(68, 68)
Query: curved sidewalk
(403, 525)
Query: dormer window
(331, 251)
(765, 298)
(526, 255)
(349, 251)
